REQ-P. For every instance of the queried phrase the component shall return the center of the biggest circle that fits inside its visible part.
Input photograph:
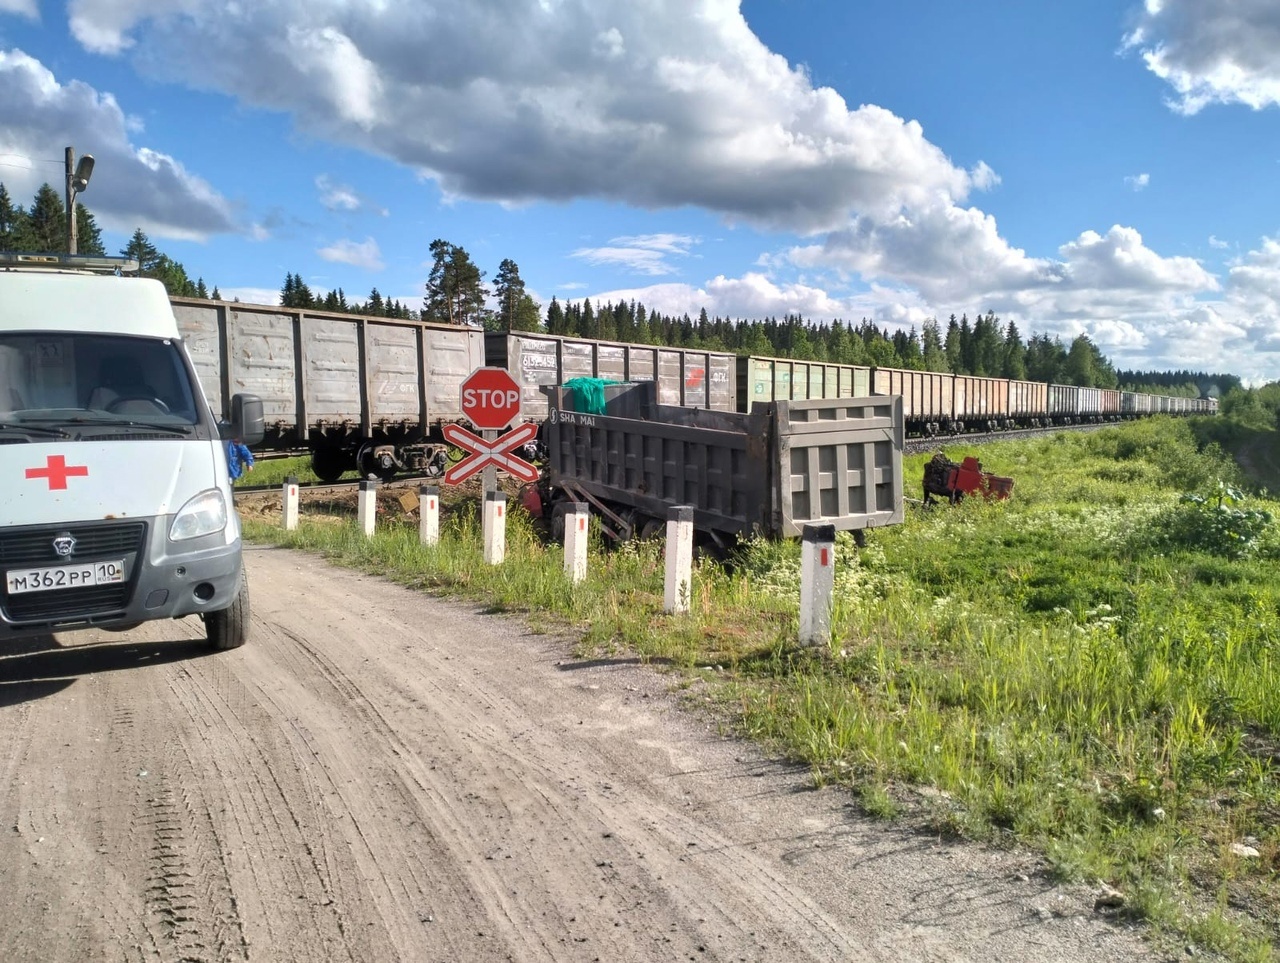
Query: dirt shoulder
(381, 775)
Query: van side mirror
(246, 420)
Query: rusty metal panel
(1027, 399)
(838, 463)
(1090, 401)
(391, 365)
(926, 395)
(260, 350)
(1110, 401)
(198, 325)
(452, 352)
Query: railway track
(400, 481)
(915, 446)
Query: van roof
(54, 300)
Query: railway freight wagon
(770, 472)
(981, 404)
(684, 376)
(1028, 403)
(789, 379)
(928, 397)
(358, 392)
(1064, 404)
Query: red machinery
(945, 479)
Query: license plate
(64, 577)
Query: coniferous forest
(456, 293)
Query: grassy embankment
(1091, 669)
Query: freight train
(371, 394)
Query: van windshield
(76, 378)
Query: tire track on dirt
(488, 737)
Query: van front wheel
(229, 628)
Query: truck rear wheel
(229, 628)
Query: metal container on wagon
(325, 378)
(685, 376)
(788, 379)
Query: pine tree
(201, 290)
(88, 234)
(13, 223)
(932, 354)
(47, 221)
(143, 251)
(216, 295)
(455, 287)
(1015, 354)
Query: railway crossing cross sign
(491, 398)
(485, 453)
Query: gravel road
(380, 776)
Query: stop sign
(491, 398)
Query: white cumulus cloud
(362, 254)
(132, 186)
(1212, 52)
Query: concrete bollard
(367, 507)
(429, 515)
(495, 527)
(576, 528)
(817, 583)
(679, 550)
(290, 503)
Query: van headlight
(204, 514)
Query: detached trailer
(770, 472)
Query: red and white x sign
(485, 453)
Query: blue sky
(1107, 168)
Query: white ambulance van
(116, 505)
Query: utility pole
(77, 181)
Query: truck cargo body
(772, 471)
(684, 376)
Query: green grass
(1091, 669)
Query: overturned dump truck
(784, 465)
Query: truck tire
(229, 627)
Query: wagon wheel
(329, 464)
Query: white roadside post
(290, 503)
(495, 527)
(576, 515)
(679, 551)
(817, 583)
(367, 507)
(428, 514)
